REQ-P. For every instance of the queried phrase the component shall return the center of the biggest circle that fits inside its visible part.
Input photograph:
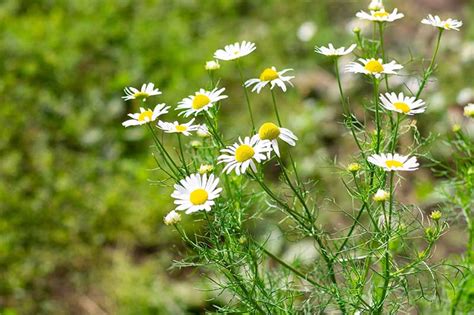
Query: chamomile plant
(378, 260)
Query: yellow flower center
(200, 101)
(393, 163)
(141, 94)
(447, 26)
(268, 75)
(198, 196)
(181, 128)
(373, 66)
(243, 153)
(144, 115)
(268, 131)
(402, 106)
(381, 14)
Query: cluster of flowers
(199, 191)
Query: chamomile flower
(381, 195)
(374, 67)
(380, 15)
(334, 52)
(196, 192)
(243, 154)
(402, 104)
(146, 91)
(172, 217)
(205, 168)
(272, 76)
(146, 115)
(200, 101)
(176, 127)
(235, 51)
(202, 131)
(449, 24)
(394, 162)
(469, 110)
(376, 5)
(271, 132)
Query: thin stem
(382, 47)
(169, 161)
(275, 108)
(181, 154)
(377, 115)
(429, 71)
(239, 66)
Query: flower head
(270, 75)
(402, 104)
(354, 167)
(205, 168)
(394, 162)
(336, 52)
(200, 101)
(176, 127)
(203, 131)
(243, 154)
(271, 132)
(212, 65)
(380, 15)
(435, 215)
(235, 51)
(146, 91)
(374, 67)
(196, 192)
(146, 115)
(449, 24)
(381, 195)
(172, 217)
(469, 110)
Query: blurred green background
(80, 218)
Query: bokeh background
(80, 213)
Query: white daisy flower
(469, 110)
(271, 132)
(212, 65)
(172, 217)
(374, 67)
(380, 15)
(331, 51)
(243, 154)
(146, 115)
(449, 24)
(196, 193)
(402, 104)
(146, 91)
(235, 51)
(394, 162)
(201, 101)
(270, 75)
(176, 127)
(376, 5)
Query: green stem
(377, 114)
(429, 71)
(382, 47)
(239, 66)
(169, 161)
(181, 154)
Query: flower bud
(202, 131)
(212, 65)
(172, 218)
(205, 168)
(356, 30)
(353, 167)
(469, 110)
(381, 195)
(435, 215)
(456, 128)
